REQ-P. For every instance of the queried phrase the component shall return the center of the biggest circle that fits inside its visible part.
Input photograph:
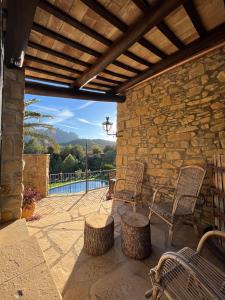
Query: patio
(163, 63)
(111, 276)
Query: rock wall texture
(173, 120)
(35, 173)
(12, 145)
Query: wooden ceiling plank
(72, 59)
(108, 16)
(213, 38)
(63, 67)
(19, 22)
(144, 5)
(143, 25)
(58, 54)
(34, 69)
(63, 16)
(54, 35)
(194, 16)
(48, 90)
(51, 64)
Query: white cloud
(47, 108)
(86, 104)
(68, 126)
(88, 122)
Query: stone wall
(173, 120)
(12, 145)
(35, 173)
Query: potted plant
(30, 197)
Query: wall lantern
(107, 126)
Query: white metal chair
(130, 190)
(182, 198)
(186, 275)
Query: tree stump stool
(98, 234)
(135, 235)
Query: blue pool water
(78, 187)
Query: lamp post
(107, 126)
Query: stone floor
(111, 276)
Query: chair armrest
(204, 238)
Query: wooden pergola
(106, 46)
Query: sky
(80, 116)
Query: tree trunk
(135, 235)
(98, 234)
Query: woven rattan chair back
(189, 183)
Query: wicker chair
(182, 198)
(131, 185)
(186, 275)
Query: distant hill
(102, 143)
(62, 136)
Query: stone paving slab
(24, 272)
(80, 276)
(13, 232)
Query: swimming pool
(80, 186)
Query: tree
(31, 126)
(70, 164)
(66, 151)
(78, 151)
(108, 148)
(94, 162)
(96, 149)
(108, 167)
(109, 157)
(55, 165)
(33, 147)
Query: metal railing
(69, 183)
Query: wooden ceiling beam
(142, 25)
(18, 27)
(58, 66)
(50, 73)
(195, 18)
(63, 16)
(213, 38)
(54, 35)
(99, 9)
(51, 64)
(72, 59)
(65, 68)
(49, 90)
(144, 5)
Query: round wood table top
(98, 220)
(135, 219)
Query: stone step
(12, 233)
(24, 272)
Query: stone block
(133, 123)
(198, 70)
(173, 155)
(166, 101)
(160, 119)
(221, 76)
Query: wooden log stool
(135, 235)
(98, 234)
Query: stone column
(36, 172)
(12, 145)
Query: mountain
(102, 143)
(62, 136)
